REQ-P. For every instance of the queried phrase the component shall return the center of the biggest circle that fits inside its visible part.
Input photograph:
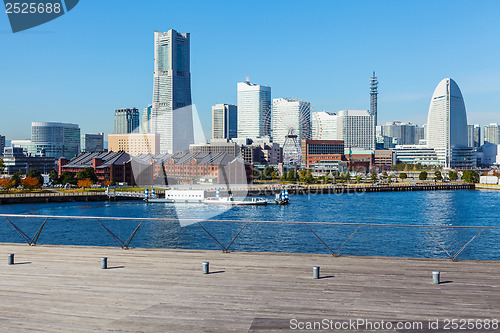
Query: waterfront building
(260, 151)
(488, 155)
(224, 121)
(126, 121)
(92, 142)
(289, 114)
(171, 112)
(195, 168)
(384, 159)
(254, 105)
(134, 143)
(473, 136)
(447, 124)
(356, 128)
(216, 146)
(108, 166)
(324, 126)
(386, 142)
(359, 159)
(492, 134)
(413, 154)
(146, 119)
(2, 144)
(52, 140)
(16, 160)
(314, 151)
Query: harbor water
(432, 208)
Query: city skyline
(403, 53)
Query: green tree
(256, 174)
(438, 175)
(423, 175)
(54, 177)
(2, 165)
(358, 179)
(34, 173)
(16, 179)
(309, 177)
(68, 177)
(453, 175)
(470, 176)
(267, 173)
(291, 176)
(87, 173)
(389, 178)
(374, 177)
(403, 175)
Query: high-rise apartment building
(404, 133)
(254, 103)
(146, 119)
(356, 128)
(492, 134)
(224, 121)
(324, 126)
(2, 144)
(92, 142)
(473, 136)
(171, 112)
(288, 115)
(126, 121)
(447, 126)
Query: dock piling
(315, 272)
(205, 266)
(104, 262)
(435, 277)
(11, 258)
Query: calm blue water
(440, 208)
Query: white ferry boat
(180, 196)
(235, 201)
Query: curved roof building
(447, 121)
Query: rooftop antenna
(247, 78)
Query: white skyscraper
(447, 124)
(291, 114)
(171, 112)
(356, 128)
(324, 126)
(254, 102)
(492, 134)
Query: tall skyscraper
(254, 103)
(492, 133)
(373, 97)
(224, 121)
(171, 113)
(92, 142)
(356, 128)
(54, 139)
(126, 120)
(290, 114)
(447, 124)
(473, 136)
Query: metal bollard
(11, 258)
(104, 262)
(205, 266)
(315, 272)
(435, 277)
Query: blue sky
(99, 57)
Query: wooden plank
(63, 288)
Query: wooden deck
(63, 289)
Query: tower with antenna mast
(373, 97)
